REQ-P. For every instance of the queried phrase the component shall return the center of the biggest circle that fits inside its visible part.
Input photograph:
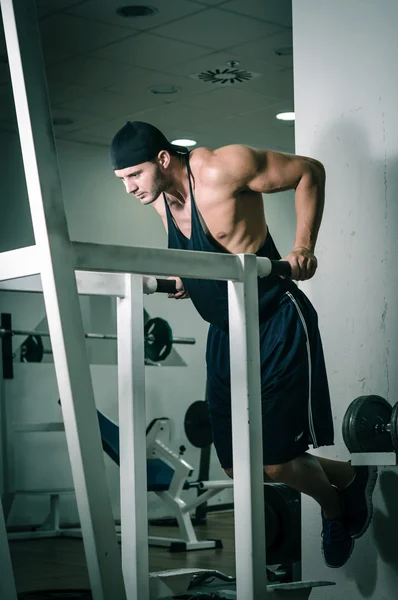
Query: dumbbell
(370, 424)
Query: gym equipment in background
(370, 424)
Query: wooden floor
(60, 563)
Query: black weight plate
(364, 425)
(271, 525)
(56, 595)
(32, 349)
(158, 339)
(394, 427)
(197, 424)
(286, 505)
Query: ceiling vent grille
(225, 75)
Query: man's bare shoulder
(234, 163)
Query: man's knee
(271, 473)
(275, 472)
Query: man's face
(146, 181)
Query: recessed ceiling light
(183, 142)
(62, 121)
(286, 116)
(164, 89)
(136, 11)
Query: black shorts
(296, 409)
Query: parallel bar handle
(166, 286)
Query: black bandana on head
(138, 142)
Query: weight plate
(285, 504)
(364, 425)
(394, 427)
(197, 424)
(32, 349)
(158, 339)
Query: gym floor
(60, 563)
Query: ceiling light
(136, 11)
(164, 89)
(185, 143)
(286, 116)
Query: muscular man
(211, 200)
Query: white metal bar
(156, 261)
(374, 459)
(19, 263)
(264, 266)
(220, 484)
(7, 582)
(88, 283)
(132, 436)
(7, 447)
(61, 298)
(247, 434)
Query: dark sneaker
(337, 544)
(357, 499)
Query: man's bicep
(278, 171)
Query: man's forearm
(309, 201)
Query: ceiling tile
(60, 92)
(263, 50)
(172, 117)
(277, 84)
(89, 71)
(151, 52)
(65, 35)
(109, 104)
(266, 117)
(140, 80)
(80, 120)
(274, 11)
(229, 100)
(203, 63)
(209, 2)
(105, 130)
(47, 7)
(217, 29)
(84, 137)
(105, 10)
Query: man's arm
(307, 177)
(268, 172)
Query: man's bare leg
(306, 475)
(340, 474)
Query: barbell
(370, 424)
(158, 339)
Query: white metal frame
(53, 257)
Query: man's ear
(163, 159)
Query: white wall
(345, 100)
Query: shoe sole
(342, 564)
(370, 486)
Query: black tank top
(210, 297)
